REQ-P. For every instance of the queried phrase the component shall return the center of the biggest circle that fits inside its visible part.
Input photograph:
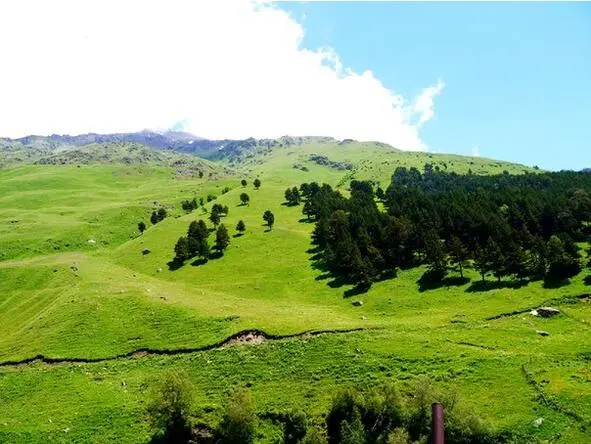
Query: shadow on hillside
(174, 265)
(587, 280)
(361, 288)
(177, 430)
(305, 220)
(432, 280)
(556, 283)
(480, 286)
(238, 235)
(204, 260)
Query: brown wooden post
(437, 426)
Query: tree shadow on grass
(360, 288)
(177, 431)
(587, 280)
(174, 265)
(432, 280)
(555, 283)
(238, 235)
(204, 260)
(480, 286)
(305, 220)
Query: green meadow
(77, 282)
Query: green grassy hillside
(65, 298)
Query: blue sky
(517, 75)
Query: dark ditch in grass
(245, 336)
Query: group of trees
(196, 244)
(292, 196)
(256, 183)
(217, 212)
(158, 216)
(381, 415)
(523, 226)
(190, 205)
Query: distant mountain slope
(130, 154)
(348, 159)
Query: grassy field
(63, 297)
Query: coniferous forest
(522, 227)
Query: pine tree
(481, 262)
(222, 239)
(240, 226)
(181, 250)
(244, 198)
(215, 217)
(458, 253)
(269, 217)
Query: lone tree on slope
(240, 227)
(269, 218)
(257, 183)
(244, 199)
(243, 182)
(141, 226)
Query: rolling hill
(93, 313)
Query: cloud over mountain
(226, 69)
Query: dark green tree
(181, 250)
(481, 262)
(240, 226)
(435, 254)
(222, 239)
(225, 210)
(239, 421)
(458, 254)
(244, 198)
(215, 218)
(269, 217)
(257, 183)
(141, 226)
(161, 214)
(243, 182)
(154, 218)
(380, 193)
(295, 427)
(169, 409)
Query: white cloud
(228, 69)
(476, 151)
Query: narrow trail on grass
(242, 337)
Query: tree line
(380, 415)
(522, 226)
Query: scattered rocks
(357, 303)
(547, 312)
(534, 312)
(91, 241)
(538, 422)
(159, 270)
(74, 267)
(542, 333)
